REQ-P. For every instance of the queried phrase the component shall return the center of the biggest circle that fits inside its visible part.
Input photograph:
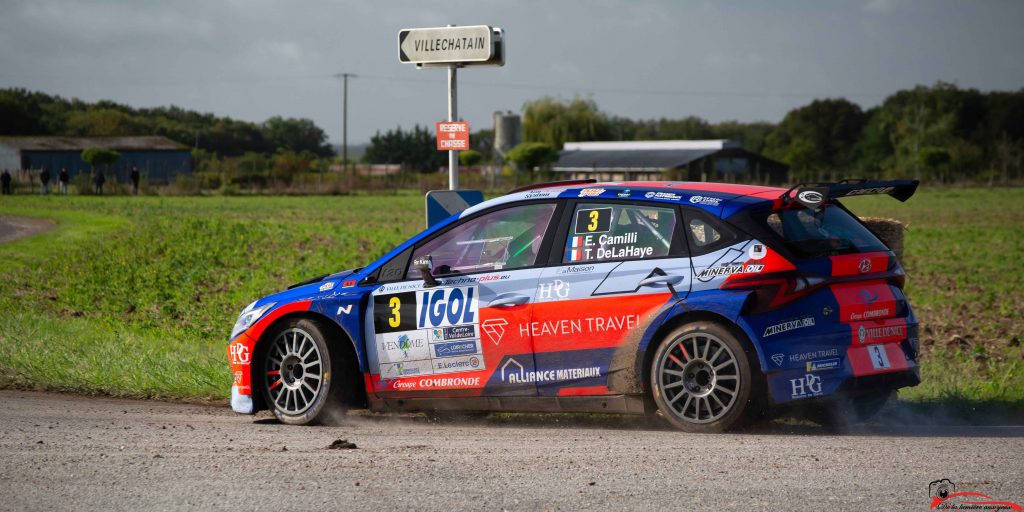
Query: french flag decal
(575, 255)
(577, 241)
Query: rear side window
(815, 234)
(604, 232)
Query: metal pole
(344, 121)
(453, 115)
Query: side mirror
(425, 265)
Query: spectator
(98, 179)
(135, 180)
(62, 181)
(5, 180)
(44, 181)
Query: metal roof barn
(159, 159)
(690, 160)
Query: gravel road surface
(74, 453)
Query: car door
(619, 264)
(455, 334)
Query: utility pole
(344, 116)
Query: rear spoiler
(816, 195)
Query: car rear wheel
(299, 382)
(701, 379)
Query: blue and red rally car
(707, 303)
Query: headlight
(249, 316)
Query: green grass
(135, 296)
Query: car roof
(719, 199)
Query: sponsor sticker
(458, 348)
(239, 353)
(458, 364)
(577, 269)
(805, 387)
(570, 326)
(671, 196)
(404, 369)
(344, 310)
(395, 347)
(810, 197)
(706, 201)
(807, 321)
(457, 332)
(494, 329)
(445, 307)
(591, 192)
(729, 269)
(824, 364)
(329, 285)
(624, 193)
(778, 359)
(554, 290)
(348, 284)
(813, 354)
(757, 251)
(512, 372)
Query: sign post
(452, 47)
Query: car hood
(309, 289)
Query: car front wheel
(701, 379)
(298, 380)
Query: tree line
(940, 133)
(35, 113)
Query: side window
(706, 234)
(504, 239)
(604, 232)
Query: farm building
(159, 159)
(690, 160)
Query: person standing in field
(5, 181)
(62, 181)
(135, 180)
(98, 180)
(44, 181)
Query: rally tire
(299, 376)
(702, 380)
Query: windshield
(827, 232)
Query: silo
(507, 132)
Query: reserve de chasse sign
(452, 136)
(445, 44)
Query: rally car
(704, 303)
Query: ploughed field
(135, 296)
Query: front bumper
(240, 403)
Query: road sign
(442, 204)
(446, 45)
(452, 136)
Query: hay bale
(889, 231)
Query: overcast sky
(744, 60)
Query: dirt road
(15, 228)
(66, 452)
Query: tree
(817, 137)
(470, 157)
(414, 150)
(555, 122)
(100, 156)
(296, 135)
(533, 155)
(104, 122)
